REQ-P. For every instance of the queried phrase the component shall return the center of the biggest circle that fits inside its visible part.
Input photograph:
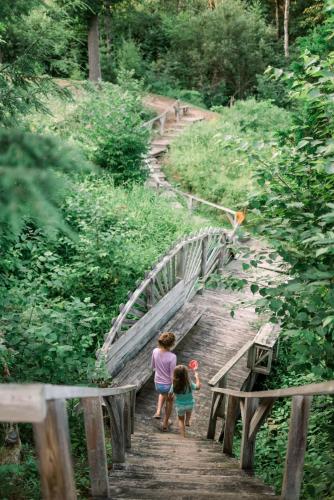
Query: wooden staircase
(165, 466)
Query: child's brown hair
(166, 340)
(181, 380)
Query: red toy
(193, 364)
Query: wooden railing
(45, 407)
(259, 354)
(173, 280)
(176, 111)
(234, 217)
(255, 408)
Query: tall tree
(286, 28)
(93, 48)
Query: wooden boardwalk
(162, 465)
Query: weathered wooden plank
(115, 406)
(22, 403)
(232, 412)
(53, 447)
(247, 448)
(294, 462)
(303, 390)
(127, 420)
(70, 392)
(267, 335)
(96, 448)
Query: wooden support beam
(96, 448)
(53, 448)
(133, 409)
(232, 412)
(294, 462)
(127, 421)
(247, 445)
(204, 259)
(115, 406)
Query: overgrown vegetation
(211, 159)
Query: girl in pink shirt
(163, 364)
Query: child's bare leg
(161, 402)
(188, 417)
(181, 426)
(168, 410)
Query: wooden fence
(45, 407)
(165, 289)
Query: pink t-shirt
(163, 363)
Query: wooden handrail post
(232, 411)
(216, 403)
(127, 420)
(294, 462)
(181, 263)
(248, 408)
(96, 448)
(222, 254)
(133, 409)
(53, 447)
(115, 405)
(204, 259)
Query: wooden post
(294, 462)
(150, 293)
(53, 447)
(213, 410)
(222, 253)
(127, 420)
(204, 259)
(247, 444)
(232, 411)
(115, 405)
(96, 448)
(181, 263)
(190, 203)
(133, 409)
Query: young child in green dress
(182, 389)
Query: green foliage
(75, 286)
(211, 159)
(31, 186)
(296, 213)
(216, 52)
(108, 126)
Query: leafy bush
(108, 126)
(75, 285)
(211, 159)
(31, 186)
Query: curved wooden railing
(255, 407)
(172, 281)
(45, 407)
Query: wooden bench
(138, 370)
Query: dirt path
(161, 103)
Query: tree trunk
(277, 18)
(286, 28)
(107, 26)
(93, 49)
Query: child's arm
(198, 382)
